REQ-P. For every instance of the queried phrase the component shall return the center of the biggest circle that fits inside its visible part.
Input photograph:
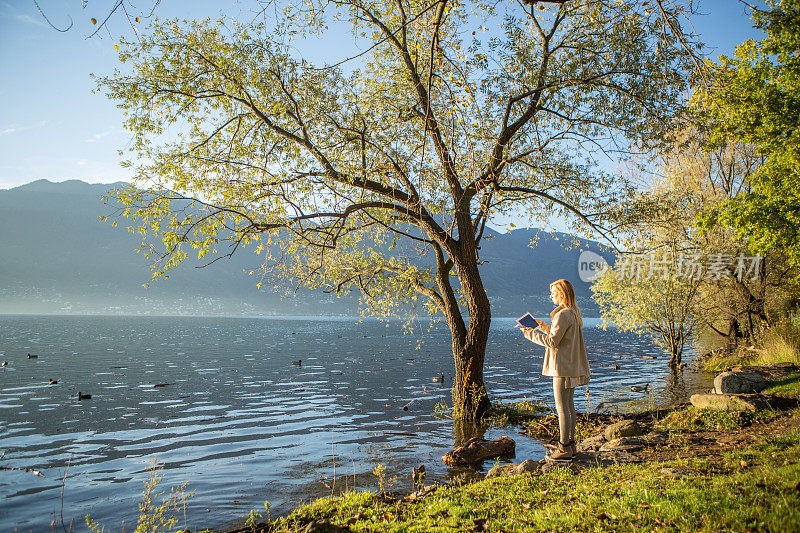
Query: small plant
(153, 517)
(418, 476)
(93, 526)
(266, 508)
(442, 411)
(380, 473)
(383, 483)
(502, 413)
(253, 519)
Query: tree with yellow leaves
(382, 179)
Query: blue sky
(53, 127)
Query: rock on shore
(737, 389)
(752, 379)
(477, 449)
(730, 402)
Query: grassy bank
(786, 388)
(748, 487)
(716, 471)
(752, 488)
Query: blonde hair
(565, 288)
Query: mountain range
(58, 257)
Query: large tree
(382, 179)
(755, 98)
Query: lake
(217, 402)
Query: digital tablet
(527, 321)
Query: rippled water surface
(220, 406)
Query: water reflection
(219, 404)
(464, 430)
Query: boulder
(501, 471)
(592, 444)
(628, 444)
(653, 439)
(771, 372)
(618, 456)
(527, 466)
(477, 449)
(740, 382)
(623, 428)
(730, 402)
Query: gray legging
(565, 406)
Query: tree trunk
(470, 399)
(734, 334)
(676, 352)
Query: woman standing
(564, 359)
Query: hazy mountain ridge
(59, 257)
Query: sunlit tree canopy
(379, 173)
(755, 98)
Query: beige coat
(565, 351)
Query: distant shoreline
(592, 320)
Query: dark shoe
(572, 447)
(562, 453)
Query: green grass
(786, 388)
(503, 413)
(779, 343)
(721, 495)
(721, 362)
(693, 419)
